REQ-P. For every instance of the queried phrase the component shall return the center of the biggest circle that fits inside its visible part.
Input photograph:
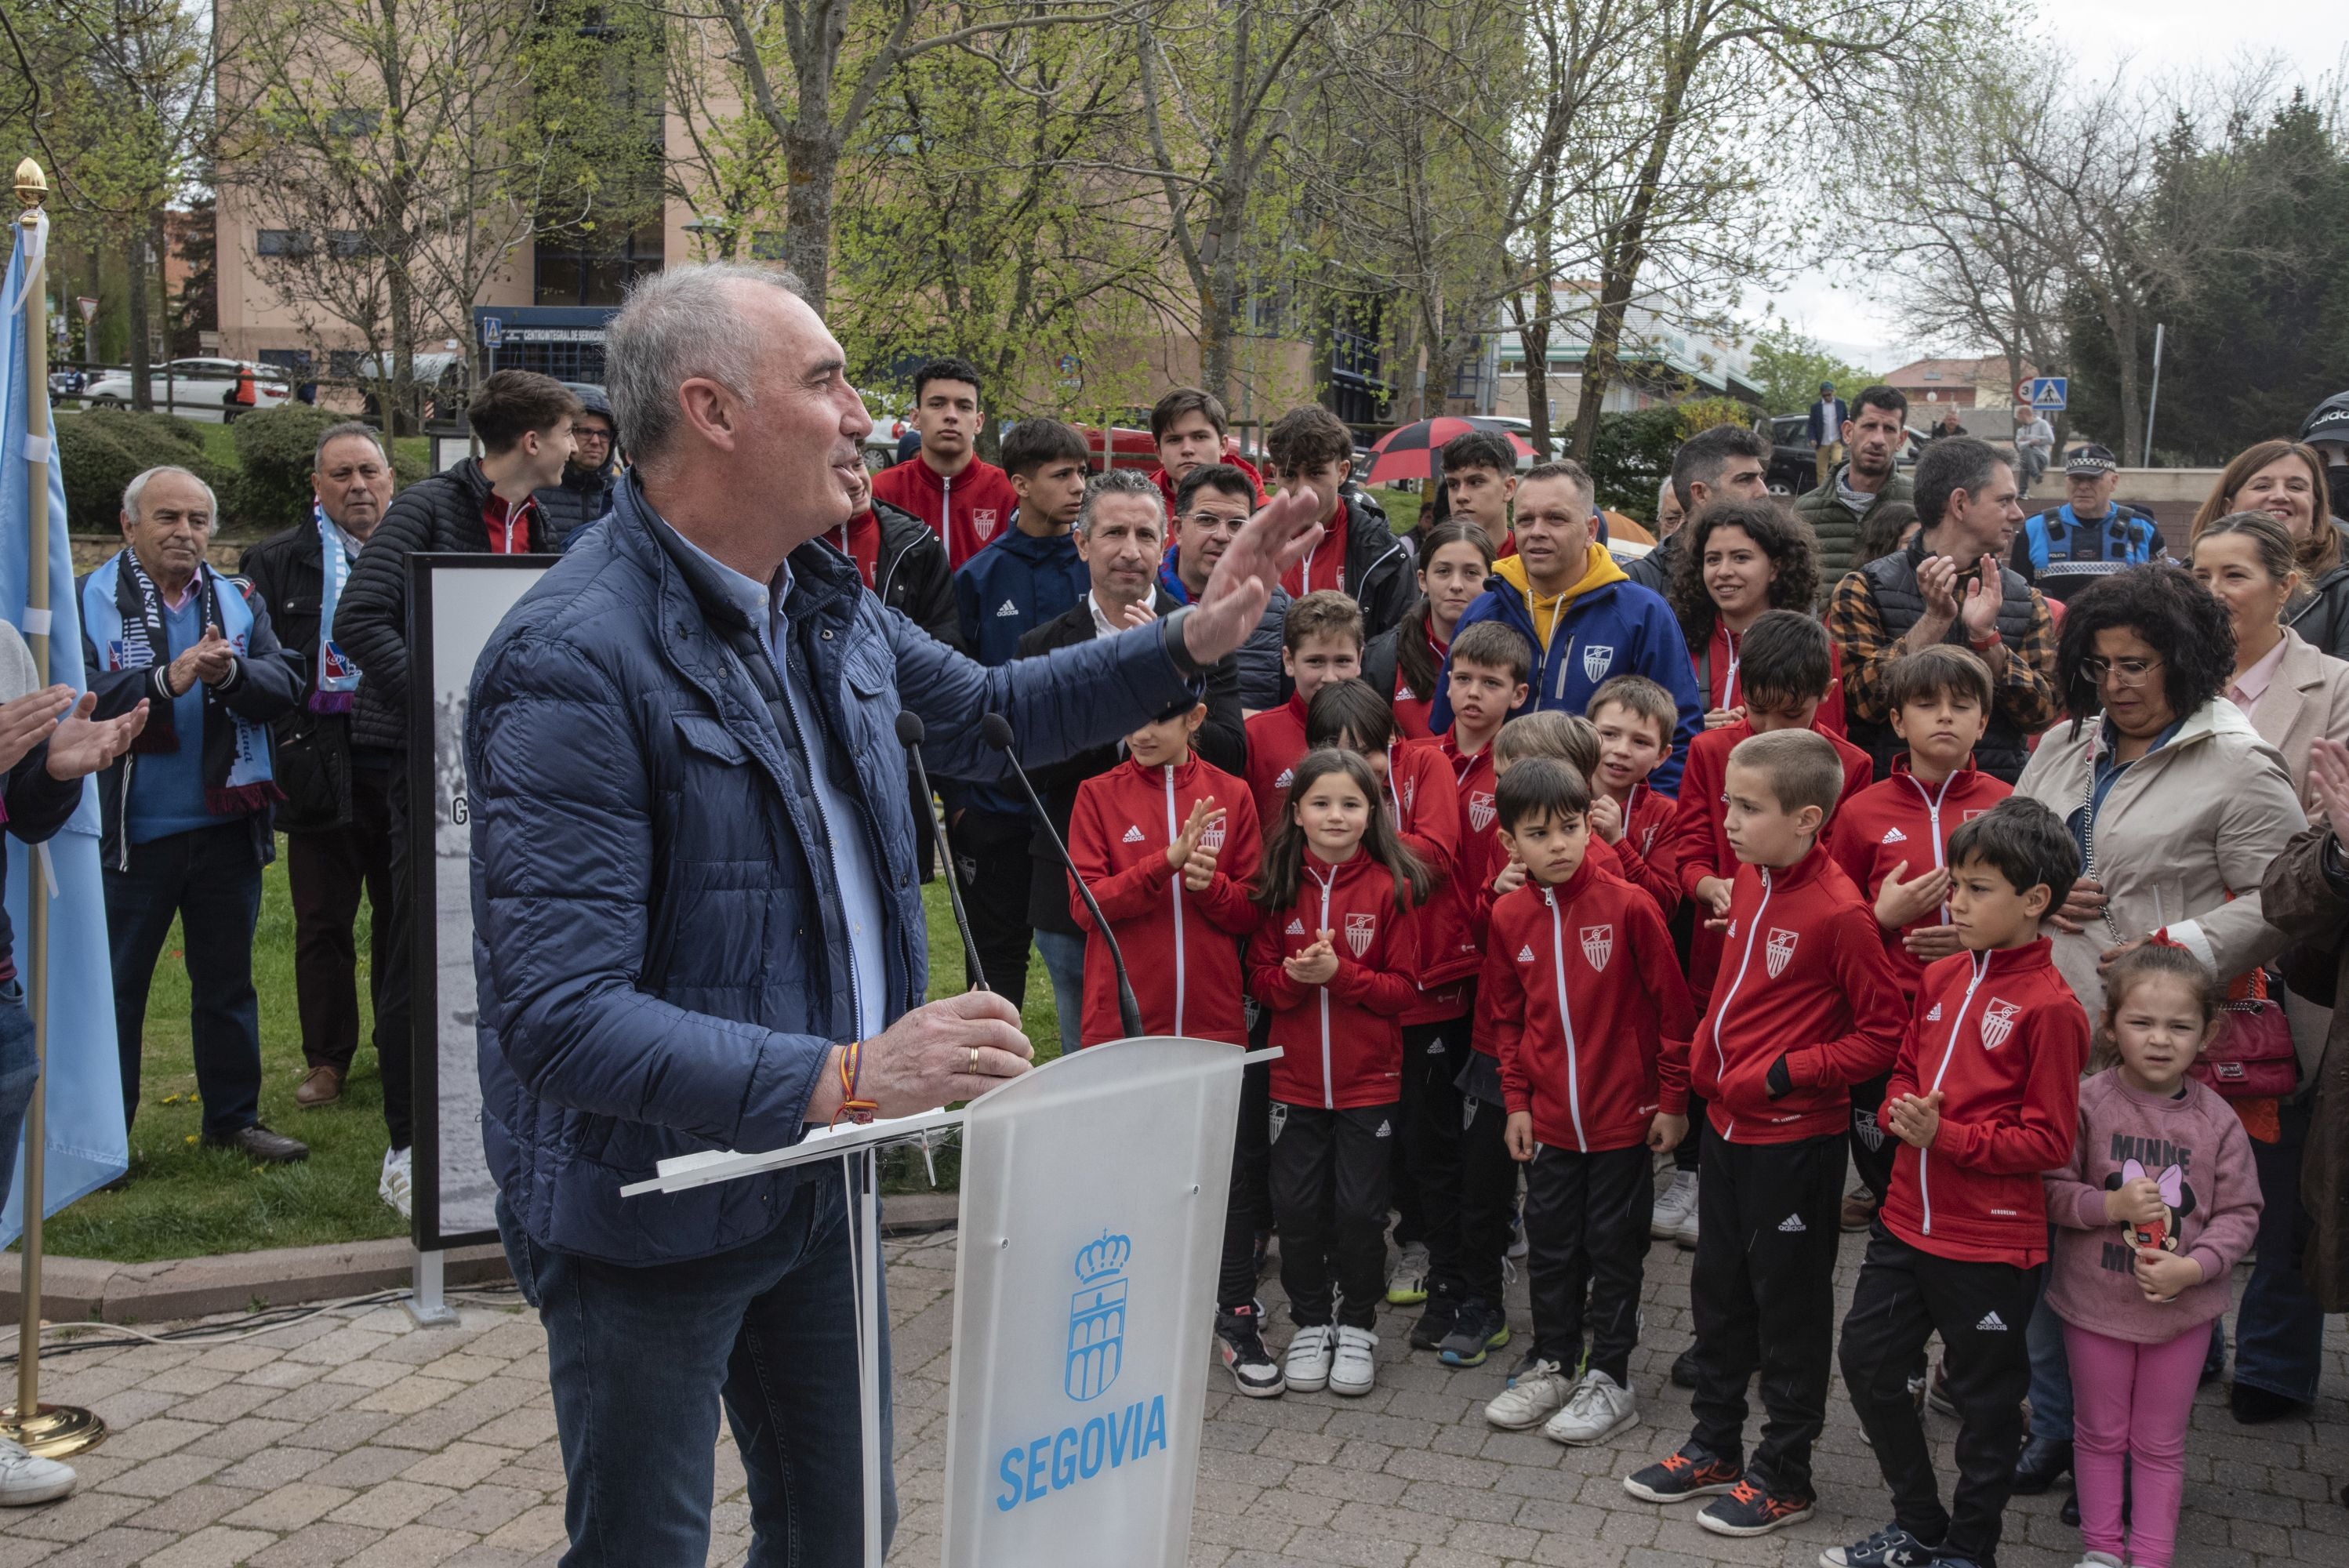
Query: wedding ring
(974, 1061)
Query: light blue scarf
(337, 676)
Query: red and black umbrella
(1410, 452)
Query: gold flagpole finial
(32, 186)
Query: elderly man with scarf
(186, 815)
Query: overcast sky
(2156, 36)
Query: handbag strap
(2088, 831)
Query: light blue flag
(88, 1144)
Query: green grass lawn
(186, 1201)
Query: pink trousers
(2131, 1401)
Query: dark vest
(1892, 579)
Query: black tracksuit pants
(991, 859)
(1488, 1196)
(1587, 1232)
(1236, 1272)
(1427, 1171)
(1330, 1172)
(1872, 1147)
(1903, 1296)
(1763, 1292)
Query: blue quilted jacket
(661, 961)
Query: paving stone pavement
(356, 1438)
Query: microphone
(910, 734)
(996, 730)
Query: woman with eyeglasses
(2177, 807)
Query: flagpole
(49, 1431)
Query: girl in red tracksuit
(1168, 846)
(1335, 964)
(1589, 1015)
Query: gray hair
(137, 488)
(1119, 481)
(334, 433)
(678, 323)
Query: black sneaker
(1478, 1329)
(1435, 1321)
(1239, 1338)
(2043, 1462)
(1693, 1472)
(1749, 1509)
(1684, 1368)
(1890, 1547)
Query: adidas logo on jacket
(2005, 1053)
(1587, 1010)
(1803, 976)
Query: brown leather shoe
(320, 1086)
(1859, 1206)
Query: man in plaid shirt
(1948, 586)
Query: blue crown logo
(1100, 1259)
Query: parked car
(204, 389)
(1129, 448)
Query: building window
(353, 122)
(767, 245)
(281, 242)
(576, 269)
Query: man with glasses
(1948, 586)
(584, 492)
(1210, 504)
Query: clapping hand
(1606, 818)
(1983, 597)
(83, 745)
(1723, 717)
(1915, 1118)
(2328, 781)
(1315, 965)
(1189, 852)
(29, 720)
(211, 659)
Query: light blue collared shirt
(853, 870)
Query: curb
(93, 1290)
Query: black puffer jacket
(911, 574)
(582, 497)
(1379, 568)
(440, 513)
(313, 750)
(2323, 617)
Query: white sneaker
(1535, 1393)
(2098, 1559)
(1407, 1286)
(1685, 1232)
(25, 1480)
(1306, 1364)
(393, 1187)
(1598, 1409)
(1356, 1369)
(1675, 1204)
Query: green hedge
(274, 447)
(103, 449)
(1632, 452)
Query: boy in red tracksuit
(1321, 642)
(1891, 839)
(1590, 1015)
(1806, 1007)
(1784, 666)
(1984, 1097)
(1634, 717)
(1334, 964)
(1168, 845)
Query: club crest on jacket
(1480, 809)
(1360, 931)
(1597, 945)
(1998, 1022)
(1598, 658)
(1779, 951)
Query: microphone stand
(910, 735)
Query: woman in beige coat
(2292, 692)
(2179, 807)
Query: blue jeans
(211, 879)
(1064, 961)
(769, 1329)
(20, 1068)
(2279, 1327)
(2050, 1365)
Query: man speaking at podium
(698, 923)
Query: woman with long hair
(2286, 480)
(1744, 559)
(1455, 559)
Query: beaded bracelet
(852, 1071)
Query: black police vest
(1900, 603)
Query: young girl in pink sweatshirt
(2159, 1204)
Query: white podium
(1092, 1214)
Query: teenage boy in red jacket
(1891, 839)
(1321, 641)
(966, 500)
(1590, 1015)
(1806, 1007)
(1984, 1097)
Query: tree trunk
(142, 384)
(1599, 361)
(814, 159)
(1533, 347)
(2121, 319)
(1216, 305)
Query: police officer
(2091, 535)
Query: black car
(1793, 459)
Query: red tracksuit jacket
(1342, 1043)
(1425, 801)
(1645, 855)
(1276, 744)
(1411, 708)
(1905, 819)
(1589, 1012)
(968, 512)
(1699, 840)
(1178, 943)
(2002, 1037)
(1715, 668)
(1802, 976)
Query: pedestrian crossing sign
(2047, 393)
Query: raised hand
(1899, 903)
(1203, 812)
(1982, 599)
(1276, 538)
(1606, 818)
(83, 745)
(2328, 779)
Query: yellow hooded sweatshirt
(1548, 610)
